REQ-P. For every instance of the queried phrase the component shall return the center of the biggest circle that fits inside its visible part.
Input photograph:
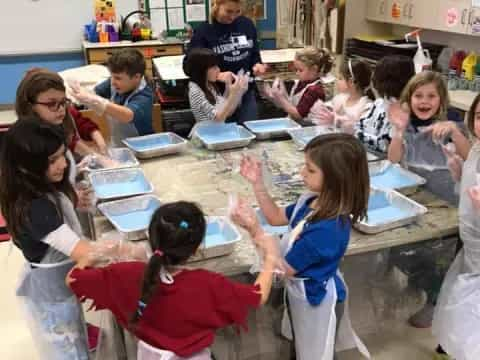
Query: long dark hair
(391, 75)
(360, 74)
(198, 62)
(27, 146)
(471, 116)
(175, 233)
(346, 183)
(35, 82)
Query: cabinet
(454, 16)
(412, 13)
(98, 53)
(376, 10)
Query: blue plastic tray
(274, 230)
(132, 214)
(268, 128)
(384, 175)
(223, 136)
(155, 145)
(388, 209)
(113, 184)
(220, 232)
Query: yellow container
(468, 66)
(145, 34)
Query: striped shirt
(202, 109)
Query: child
(418, 126)
(456, 319)
(206, 101)
(172, 309)
(354, 96)
(307, 92)
(125, 99)
(39, 80)
(336, 176)
(37, 200)
(391, 74)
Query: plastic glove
(243, 215)
(259, 69)
(239, 86)
(85, 97)
(112, 251)
(454, 161)
(441, 131)
(85, 195)
(399, 117)
(474, 193)
(251, 170)
(321, 114)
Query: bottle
(468, 66)
(455, 65)
(443, 60)
(422, 59)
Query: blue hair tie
(141, 306)
(183, 224)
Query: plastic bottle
(422, 59)
(455, 66)
(443, 59)
(468, 66)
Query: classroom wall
(12, 69)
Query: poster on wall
(256, 9)
(195, 10)
(105, 10)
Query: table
(208, 178)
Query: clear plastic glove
(441, 131)
(91, 100)
(251, 170)
(112, 251)
(474, 193)
(399, 117)
(225, 76)
(454, 161)
(321, 114)
(239, 85)
(243, 215)
(85, 195)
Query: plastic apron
(422, 152)
(456, 321)
(147, 352)
(295, 99)
(120, 130)
(314, 327)
(54, 315)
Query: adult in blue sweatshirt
(234, 38)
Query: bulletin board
(48, 26)
(172, 15)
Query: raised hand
(251, 170)
(399, 116)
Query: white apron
(314, 327)
(295, 99)
(54, 315)
(456, 321)
(147, 352)
(118, 129)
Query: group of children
(149, 288)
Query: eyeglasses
(55, 105)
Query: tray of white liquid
(131, 216)
(220, 238)
(223, 136)
(149, 146)
(119, 183)
(385, 175)
(270, 229)
(388, 209)
(118, 158)
(270, 128)
(302, 136)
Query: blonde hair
(316, 57)
(425, 78)
(217, 3)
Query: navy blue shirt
(140, 103)
(317, 252)
(235, 43)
